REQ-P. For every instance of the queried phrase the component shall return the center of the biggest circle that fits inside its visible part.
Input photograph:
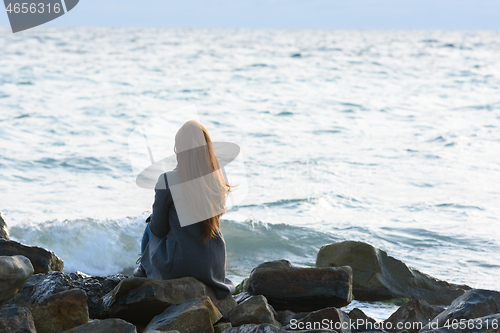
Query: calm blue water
(388, 137)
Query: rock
(196, 316)
(14, 271)
(413, 315)
(40, 286)
(138, 300)
(14, 319)
(220, 327)
(359, 316)
(4, 230)
(254, 328)
(301, 289)
(284, 317)
(61, 311)
(254, 310)
(328, 318)
(43, 260)
(487, 324)
(111, 325)
(473, 304)
(242, 297)
(378, 276)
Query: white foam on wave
(91, 246)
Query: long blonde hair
(196, 160)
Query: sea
(386, 137)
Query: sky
(298, 14)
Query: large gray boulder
(196, 316)
(14, 271)
(61, 311)
(111, 325)
(301, 289)
(41, 286)
(378, 276)
(475, 303)
(254, 310)
(4, 230)
(43, 260)
(413, 316)
(138, 300)
(14, 319)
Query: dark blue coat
(177, 251)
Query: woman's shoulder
(166, 179)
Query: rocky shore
(37, 296)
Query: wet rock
(14, 319)
(4, 230)
(61, 311)
(14, 271)
(254, 328)
(301, 289)
(138, 300)
(475, 303)
(254, 310)
(242, 297)
(328, 318)
(378, 276)
(111, 325)
(43, 260)
(196, 316)
(413, 315)
(359, 316)
(487, 324)
(220, 327)
(40, 286)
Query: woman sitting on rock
(183, 237)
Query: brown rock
(378, 276)
(43, 260)
(220, 327)
(254, 310)
(4, 230)
(61, 311)
(14, 319)
(196, 316)
(301, 289)
(413, 315)
(475, 303)
(138, 300)
(14, 271)
(111, 325)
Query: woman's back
(177, 251)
